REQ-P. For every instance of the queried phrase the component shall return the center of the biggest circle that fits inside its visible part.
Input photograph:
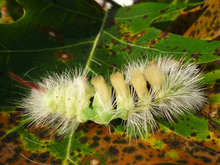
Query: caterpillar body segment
(154, 77)
(144, 90)
(124, 98)
(102, 101)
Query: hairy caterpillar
(162, 88)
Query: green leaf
(211, 77)
(53, 36)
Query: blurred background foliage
(34, 36)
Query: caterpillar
(142, 92)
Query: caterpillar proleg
(142, 92)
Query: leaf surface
(207, 26)
(52, 36)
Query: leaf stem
(68, 149)
(95, 43)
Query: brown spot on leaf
(192, 34)
(217, 51)
(145, 16)
(128, 47)
(151, 43)
(175, 48)
(115, 42)
(150, 154)
(83, 140)
(96, 138)
(216, 27)
(129, 149)
(157, 19)
(205, 159)
(94, 145)
(128, 9)
(53, 33)
(64, 55)
(99, 47)
(113, 66)
(163, 35)
(107, 139)
(42, 132)
(113, 151)
(139, 157)
(208, 13)
(162, 11)
(193, 134)
(120, 141)
(42, 157)
(141, 145)
(9, 153)
(161, 155)
(175, 144)
(113, 53)
(206, 26)
(196, 56)
(131, 38)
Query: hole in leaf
(11, 11)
